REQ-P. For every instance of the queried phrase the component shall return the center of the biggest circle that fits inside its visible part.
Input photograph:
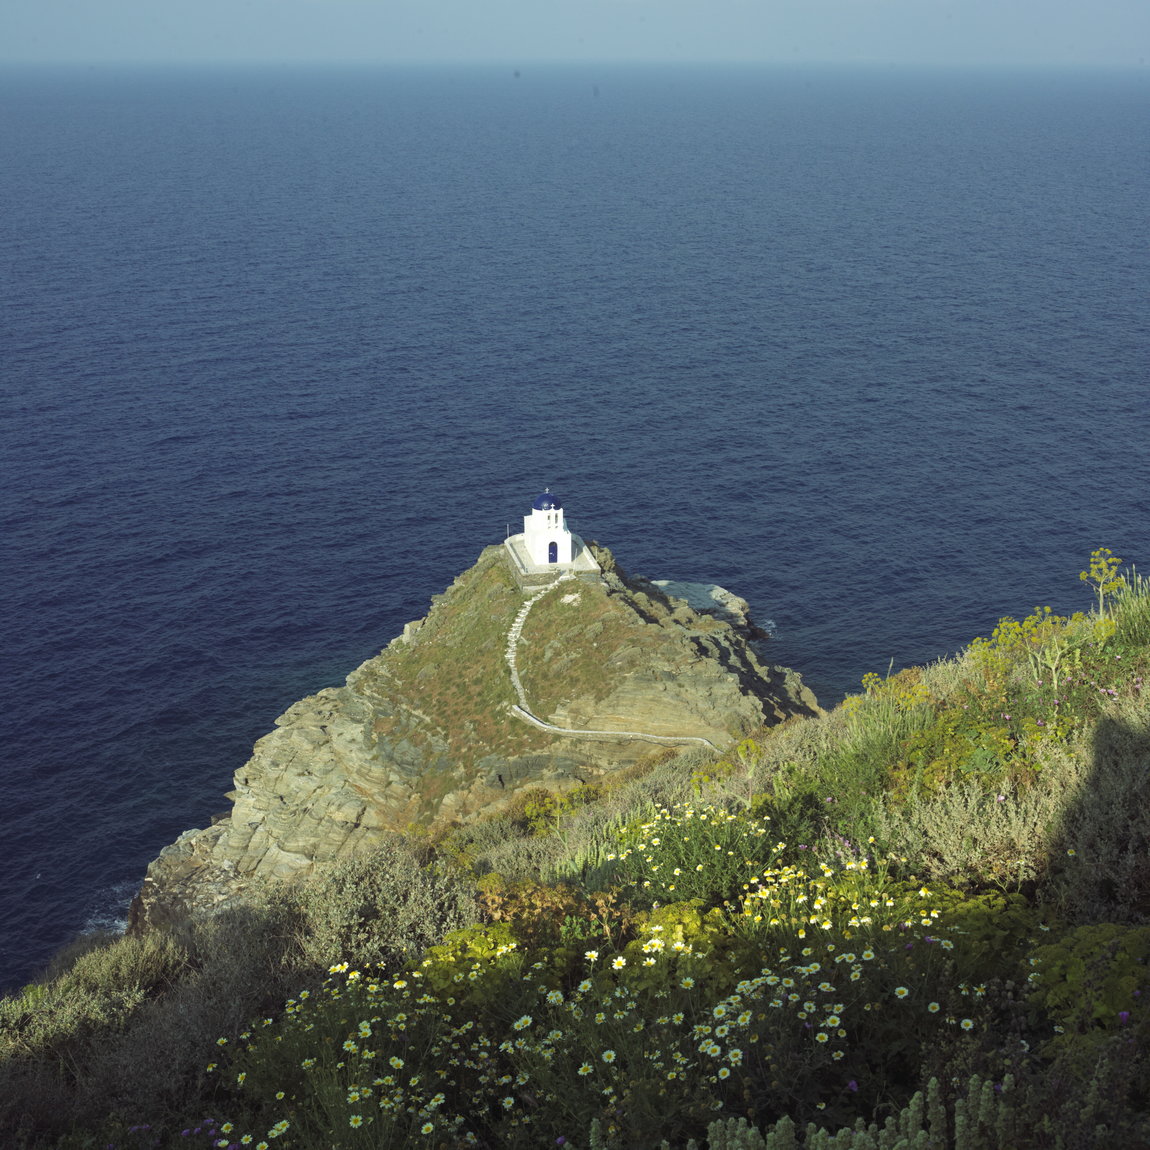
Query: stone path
(517, 629)
(523, 711)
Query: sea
(283, 349)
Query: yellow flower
(427, 1128)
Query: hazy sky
(1025, 32)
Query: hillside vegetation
(920, 920)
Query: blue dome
(547, 502)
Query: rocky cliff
(425, 733)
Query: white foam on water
(109, 908)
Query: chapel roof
(547, 501)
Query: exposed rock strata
(423, 733)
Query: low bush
(382, 908)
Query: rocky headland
(430, 733)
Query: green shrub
(1094, 982)
(385, 907)
(1100, 854)
(100, 990)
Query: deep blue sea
(283, 350)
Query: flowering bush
(773, 1002)
(687, 852)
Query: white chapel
(547, 545)
(545, 534)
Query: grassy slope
(1020, 806)
(454, 673)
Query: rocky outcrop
(711, 599)
(424, 734)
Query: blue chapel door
(552, 552)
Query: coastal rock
(425, 735)
(711, 599)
